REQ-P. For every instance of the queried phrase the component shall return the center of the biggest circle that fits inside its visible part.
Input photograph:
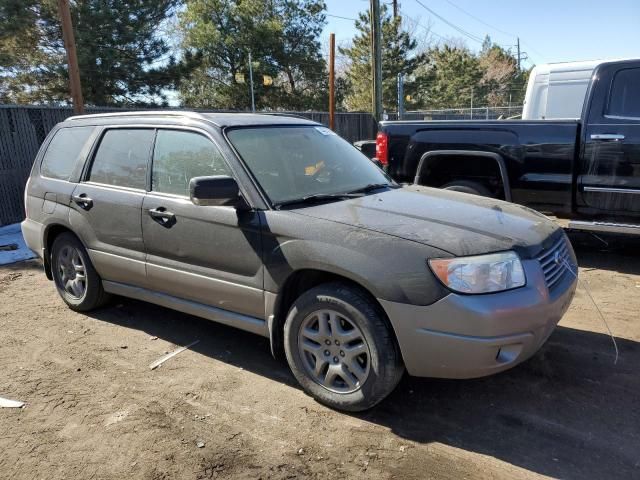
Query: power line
(452, 25)
(479, 19)
(341, 17)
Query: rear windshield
(63, 152)
(295, 162)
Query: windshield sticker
(325, 131)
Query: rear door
(107, 204)
(609, 181)
(206, 254)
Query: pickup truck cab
(587, 169)
(277, 226)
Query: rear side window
(624, 100)
(63, 152)
(180, 156)
(121, 159)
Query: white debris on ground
(10, 235)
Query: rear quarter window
(63, 153)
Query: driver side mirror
(215, 191)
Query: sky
(549, 30)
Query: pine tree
(282, 37)
(398, 56)
(121, 57)
(450, 80)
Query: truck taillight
(382, 148)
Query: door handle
(607, 137)
(83, 201)
(163, 217)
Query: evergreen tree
(452, 77)
(282, 37)
(121, 58)
(398, 56)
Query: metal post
(332, 80)
(400, 96)
(72, 59)
(253, 100)
(376, 59)
(486, 117)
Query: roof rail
(134, 113)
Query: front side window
(624, 100)
(292, 163)
(180, 156)
(122, 157)
(64, 151)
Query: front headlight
(480, 274)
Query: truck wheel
(76, 279)
(467, 186)
(340, 348)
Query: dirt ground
(225, 408)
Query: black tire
(467, 186)
(93, 295)
(385, 367)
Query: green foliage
(122, 59)
(282, 36)
(398, 56)
(450, 79)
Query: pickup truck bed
(538, 157)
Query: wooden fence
(23, 129)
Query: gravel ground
(225, 408)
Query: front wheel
(340, 349)
(76, 279)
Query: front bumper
(467, 336)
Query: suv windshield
(298, 163)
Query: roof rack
(134, 113)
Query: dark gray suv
(277, 226)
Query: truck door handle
(83, 201)
(607, 137)
(163, 217)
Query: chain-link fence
(476, 113)
(24, 128)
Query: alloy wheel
(334, 351)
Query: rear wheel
(467, 186)
(76, 279)
(340, 348)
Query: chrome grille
(554, 261)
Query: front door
(107, 204)
(209, 255)
(610, 178)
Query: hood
(458, 223)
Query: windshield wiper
(373, 186)
(318, 197)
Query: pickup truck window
(624, 99)
(63, 152)
(179, 156)
(292, 163)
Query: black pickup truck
(587, 169)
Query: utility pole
(518, 54)
(332, 80)
(72, 58)
(471, 103)
(395, 8)
(253, 100)
(400, 96)
(376, 59)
